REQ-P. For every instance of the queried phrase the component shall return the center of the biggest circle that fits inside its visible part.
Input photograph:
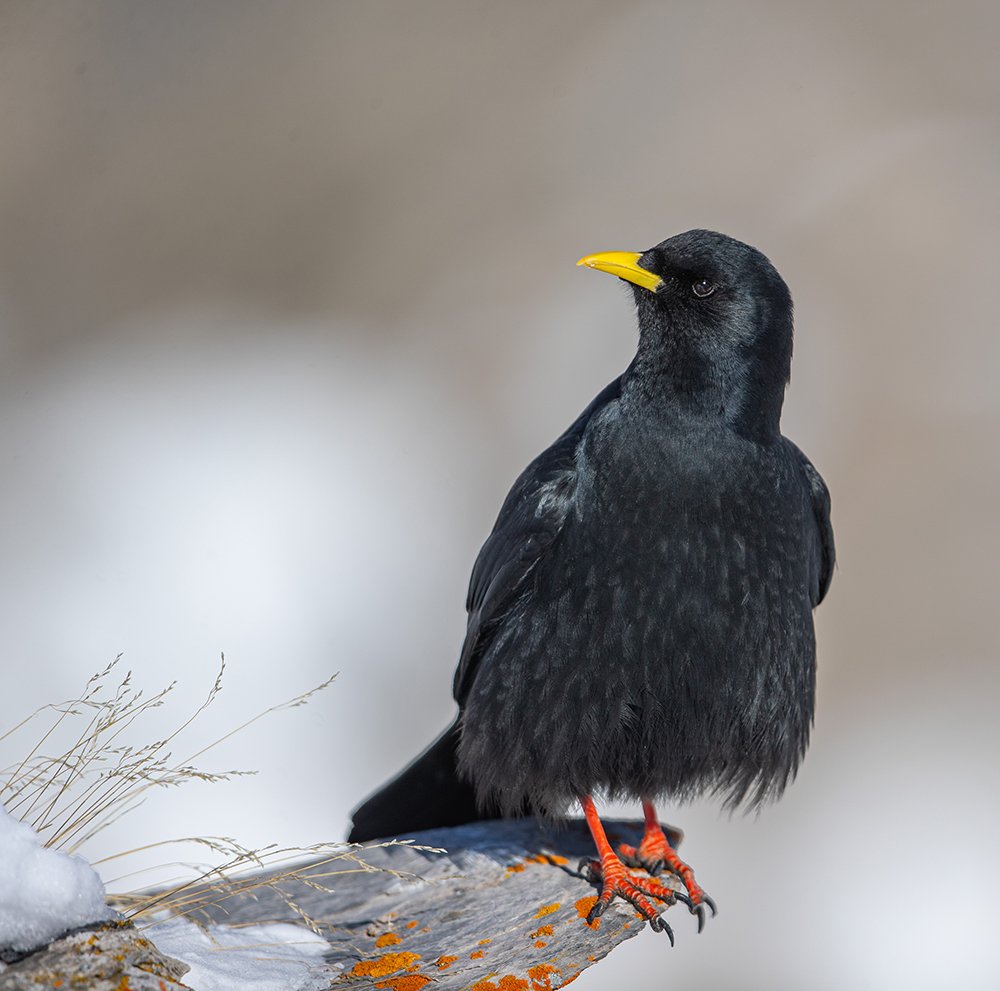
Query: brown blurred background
(287, 298)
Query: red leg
(616, 880)
(655, 853)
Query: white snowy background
(287, 299)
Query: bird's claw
(659, 924)
(614, 879)
(697, 903)
(655, 855)
(698, 908)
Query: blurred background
(288, 298)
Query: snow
(273, 957)
(43, 893)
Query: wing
(821, 511)
(531, 518)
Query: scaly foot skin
(655, 854)
(614, 879)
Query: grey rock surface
(499, 907)
(503, 909)
(109, 958)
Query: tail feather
(425, 795)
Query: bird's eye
(703, 288)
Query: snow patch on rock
(273, 957)
(43, 893)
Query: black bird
(640, 618)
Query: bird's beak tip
(624, 264)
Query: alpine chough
(640, 618)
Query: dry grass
(246, 873)
(82, 775)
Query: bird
(640, 618)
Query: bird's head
(715, 326)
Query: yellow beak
(624, 264)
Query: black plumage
(640, 618)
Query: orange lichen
(443, 963)
(540, 943)
(541, 977)
(514, 869)
(387, 939)
(553, 859)
(570, 979)
(386, 964)
(476, 955)
(412, 982)
(413, 924)
(483, 942)
(583, 907)
(547, 910)
(542, 931)
(506, 983)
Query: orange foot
(614, 879)
(655, 854)
(610, 872)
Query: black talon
(684, 900)
(655, 867)
(596, 912)
(660, 925)
(699, 909)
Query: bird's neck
(673, 375)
